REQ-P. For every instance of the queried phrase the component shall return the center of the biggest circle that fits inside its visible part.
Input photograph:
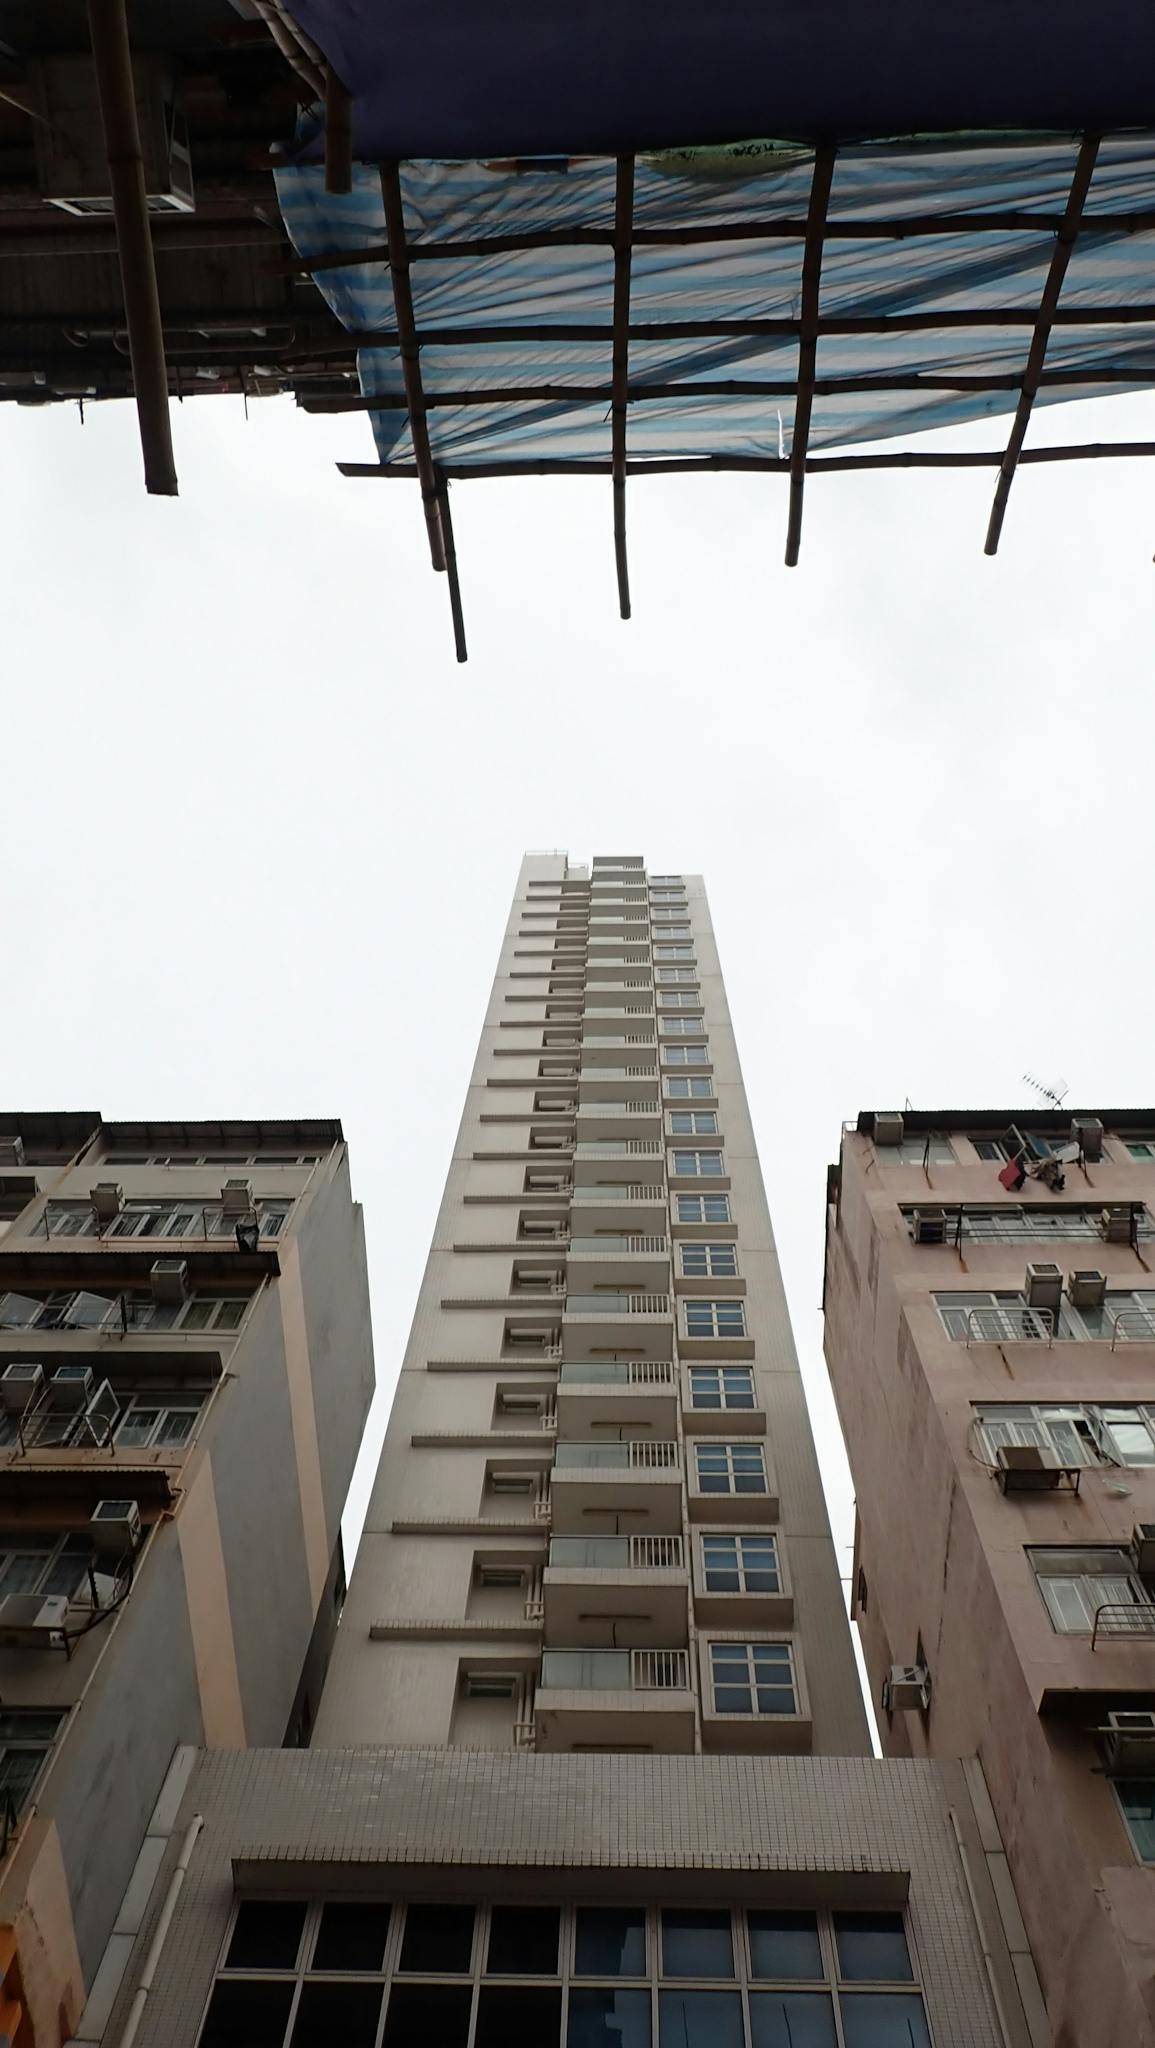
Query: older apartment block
(990, 1306)
(185, 1369)
(591, 1767)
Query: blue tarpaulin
(955, 274)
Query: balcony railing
(627, 1191)
(641, 1456)
(619, 1148)
(1011, 1326)
(1133, 1326)
(618, 1553)
(617, 1304)
(1124, 1618)
(618, 1243)
(615, 1670)
(619, 1372)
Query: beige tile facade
(952, 1357)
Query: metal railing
(1123, 1618)
(619, 1148)
(617, 1553)
(628, 1191)
(619, 1242)
(618, 1372)
(1011, 1325)
(1133, 1326)
(615, 1670)
(178, 1222)
(637, 1456)
(617, 1304)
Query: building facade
(185, 1369)
(591, 1767)
(991, 1338)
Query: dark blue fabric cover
(475, 78)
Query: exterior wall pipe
(160, 1936)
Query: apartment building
(990, 1315)
(591, 1765)
(185, 1370)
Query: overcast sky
(259, 833)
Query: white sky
(259, 832)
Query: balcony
(638, 1325)
(636, 1263)
(598, 1084)
(601, 1395)
(624, 1159)
(620, 1120)
(598, 1487)
(634, 1207)
(615, 1699)
(628, 1591)
(610, 1049)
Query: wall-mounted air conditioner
(11, 1151)
(237, 1197)
(115, 1526)
(71, 1386)
(1129, 1740)
(107, 1199)
(1027, 1468)
(1115, 1223)
(1087, 1287)
(887, 1127)
(906, 1689)
(71, 155)
(1044, 1284)
(32, 1621)
(929, 1226)
(168, 1279)
(1087, 1134)
(1143, 1549)
(20, 1384)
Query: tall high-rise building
(991, 1338)
(591, 1767)
(185, 1370)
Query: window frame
(738, 1456)
(698, 1369)
(697, 1171)
(751, 1642)
(699, 1123)
(719, 1195)
(719, 1259)
(738, 1538)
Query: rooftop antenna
(1052, 1094)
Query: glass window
(872, 1947)
(700, 2019)
(694, 1123)
(702, 1208)
(913, 1152)
(247, 2015)
(419, 2015)
(697, 1943)
(1136, 1798)
(741, 1564)
(266, 1935)
(1140, 1148)
(709, 1261)
(690, 1163)
(877, 2019)
(523, 1941)
(722, 1386)
(1078, 1585)
(681, 999)
(685, 1055)
(784, 1945)
(673, 952)
(752, 1678)
(338, 2012)
(610, 1942)
(730, 1468)
(438, 1940)
(352, 1935)
(714, 1318)
(690, 1027)
(688, 1087)
(793, 2019)
(509, 2014)
(608, 2018)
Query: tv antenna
(1052, 1094)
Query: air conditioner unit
(928, 1226)
(1027, 1468)
(1129, 1740)
(71, 1386)
(168, 1279)
(115, 1526)
(1044, 1284)
(237, 1197)
(887, 1127)
(1143, 1549)
(1115, 1223)
(107, 1199)
(1087, 1288)
(11, 1151)
(32, 1621)
(1087, 1134)
(71, 156)
(20, 1384)
(906, 1689)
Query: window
(685, 1055)
(1140, 1148)
(694, 1123)
(157, 1424)
(489, 1685)
(721, 1386)
(705, 1318)
(44, 1563)
(26, 1740)
(708, 1261)
(1136, 1798)
(913, 1152)
(124, 1312)
(696, 1162)
(688, 1087)
(673, 952)
(690, 1027)
(740, 1564)
(752, 1678)
(1005, 1317)
(681, 999)
(730, 1468)
(673, 974)
(1012, 1224)
(702, 1208)
(1078, 1584)
(460, 1976)
(1079, 1433)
